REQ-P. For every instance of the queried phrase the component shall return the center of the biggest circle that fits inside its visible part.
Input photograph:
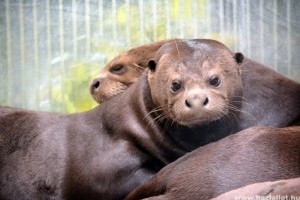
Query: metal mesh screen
(51, 49)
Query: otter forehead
(196, 44)
(196, 63)
(206, 44)
(117, 59)
(198, 50)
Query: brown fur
(269, 98)
(106, 152)
(122, 71)
(254, 155)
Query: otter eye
(118, 69)
(176, 85)
(215, 81)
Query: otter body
(257, 154)
(108, 151)
(101, 154)
(268, 98)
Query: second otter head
(195, 82)
(116, 76)
(122, 71)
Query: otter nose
(191, 103)
(196, 100)
(95, 85)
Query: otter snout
(95, 84)
(196, 99)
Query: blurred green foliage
(57, 69)
(75, 96)
(51, 50)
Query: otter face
(116, 77)
(195, 85)
(122, 71)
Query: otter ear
(152, 65)
(239, 57)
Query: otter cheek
(157, 95)
(218, 106)
(109, 89)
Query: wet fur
(133, 63)
(269, 99)
(103, 153)
(254, 155)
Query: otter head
(122, 71)
(116, 76)
(195, 82)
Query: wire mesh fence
(51, 49)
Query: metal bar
(49, 53)
(100, 16)
(154, 18)
(275, 26)
(61, 48)
(195, 17)
(8, 52)
(261, 8)
(61, 34)
(114, 19)
(289, 38)
(22, 52)
(168, 21)
(74, 29)
(208, 16)
(235, 30)
(181, 14)
(248, 22)
(36, 53)
(87, 28)
(128, 21)
(141, 20)
(221, 17)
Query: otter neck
(170, 147)
(130, 113)
(190, 138)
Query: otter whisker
(240, 110)
(138, 66)
(155, 120)
(156, 109)
(178, 52)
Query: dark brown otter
(254, 155)
(287, 188)
(122, 71)
(269, 99)
(107, 152)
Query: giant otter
(122, 71)
(269, 98)
(108, 151)
(257, 154)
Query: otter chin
(107, 89)
(196, 88)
